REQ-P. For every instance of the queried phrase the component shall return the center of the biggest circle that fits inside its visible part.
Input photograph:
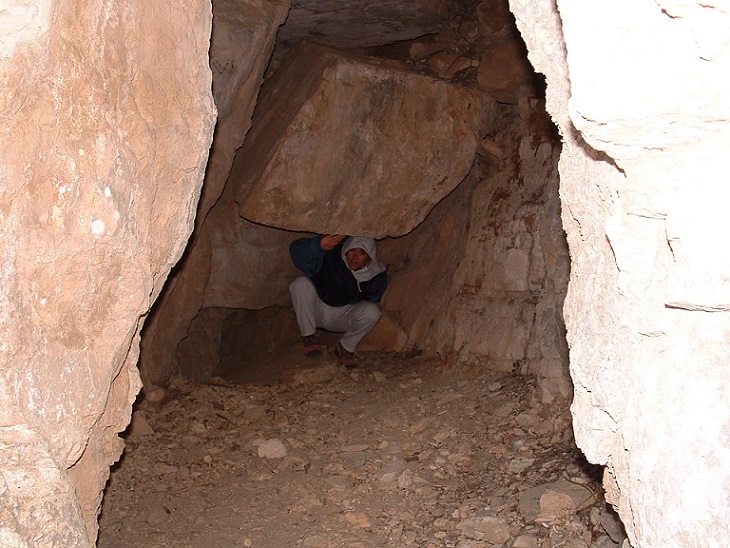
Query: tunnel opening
(479, 269)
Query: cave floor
(398, 452)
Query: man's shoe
(311, 346)
(346, 358)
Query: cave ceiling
(346, 24)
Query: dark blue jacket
(335, 283)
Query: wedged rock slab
(341, 144)
(364, 23)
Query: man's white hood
(368, 245)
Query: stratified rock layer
(339, 145)
(105, 126)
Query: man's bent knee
(301, 285)
(368, 313)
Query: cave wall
(483, 279)
(241, 44)
(341, 142)
(638, 90)
(106, 117)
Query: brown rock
(447, 65)
(504, 71)
(250, 264)
(335, 134)
(495, 19)
(420, 51)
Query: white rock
(272, 449)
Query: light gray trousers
(355, 320)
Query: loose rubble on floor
(398, 452)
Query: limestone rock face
(647, 123)
(105, 123)
(241, 44)
(339, 144)
(483, 279)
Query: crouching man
(344, 282)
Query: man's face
(356, 258)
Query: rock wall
(106, 118)
(483, 279)
(241, 45)
(645, 119)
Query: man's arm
(307, 254)
(373, 289)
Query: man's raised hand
(329, 241)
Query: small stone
(139, 427)
(555, 508)
(444, 523)
(420, 426)
(272, 449)
(405, 480)
(526, 541)
(307, 503)
(441, 63)
(519, 465)
(379, 377)
(339, 482)
(155, 394)
(442, 436)
(489, 528)
(612, 525)
(359, 519)
(316, 541)
(420, 51)
(392, 471)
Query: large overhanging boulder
(341, 144)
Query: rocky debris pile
(399, 452)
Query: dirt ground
(398, 452)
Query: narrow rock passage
(399, 452)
